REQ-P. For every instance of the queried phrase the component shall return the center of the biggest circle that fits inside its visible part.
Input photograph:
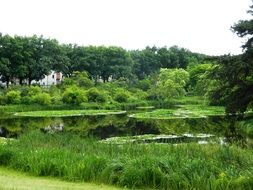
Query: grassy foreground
(11, 180)
(158, 166)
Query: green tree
(79, 78)
(10, 58)
(36, 62)
(171, 83)
(199, 82)
(235, 73)
(100, 62)
(146, 62)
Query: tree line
(31, 58)
(226, 80)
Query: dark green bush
(3, 100)
(94, 95)
(121, 96)
(26, 100)
(5, 156)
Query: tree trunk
(29, 82)
(20, 81)
(7, 82)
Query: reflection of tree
(143, 126)
(213, 125)
(16, 126)
(101, 126)
(120, 125)
(233, 134)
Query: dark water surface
(103, 127)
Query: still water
(103, 127)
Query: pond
(107, 127)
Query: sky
(202, 26)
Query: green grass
(2, 140)
(182, 111)
(12, 180)
(66, 113)
(157, 166)
(36, 107)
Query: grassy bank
(66, 113)
(12, 180)
(108, 106)
(84, 106)
(160, 166)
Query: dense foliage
(235, 73)
(27, 59)
(79, 88)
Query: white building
(51, 79)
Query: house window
(52, 76)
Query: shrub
(141, 95)
(42, 99)
(13, 97)
(144, 84)
(2, 100)
(94, 95)
(73, 95)
(79, 78)
(121, 96)
(26, 100)
(55, 94)
(34, 90)
(24, 90)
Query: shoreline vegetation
(159, 166)
(68, 113)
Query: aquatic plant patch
(184, 111)
(151, 138)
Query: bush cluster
(79, 89)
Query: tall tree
(235, 73)
(11, 58)
(5, 65)
(146, 62)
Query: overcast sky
(199, 25)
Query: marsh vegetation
(159, 118)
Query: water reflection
(105, 126)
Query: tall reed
(159, 166)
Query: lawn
(12, 180)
